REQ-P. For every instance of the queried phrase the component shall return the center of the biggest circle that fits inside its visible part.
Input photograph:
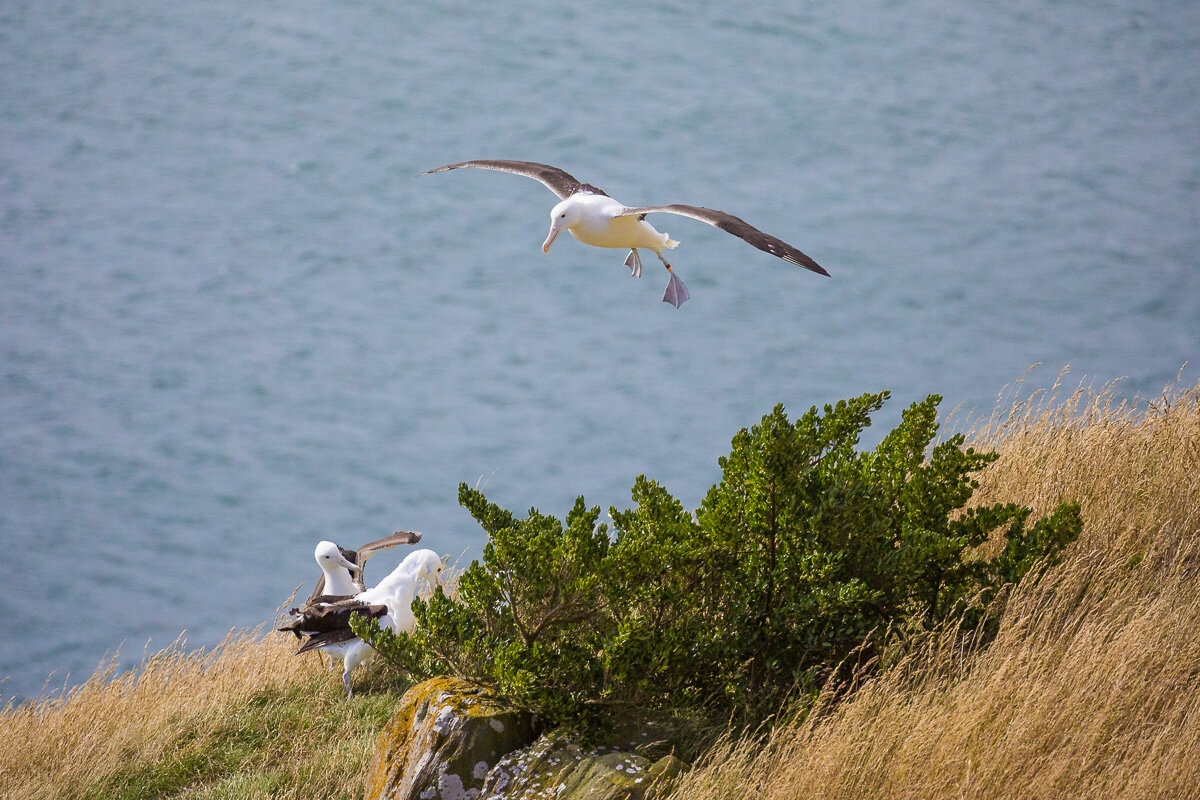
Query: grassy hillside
(246, 719)
(1091, 689)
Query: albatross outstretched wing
(556, 180)
(738, 227)
(362, 555)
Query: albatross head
(428, 565)
(566, 214)
(329, 557)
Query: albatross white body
(594, 218)
(598, 220)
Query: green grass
(244, 752)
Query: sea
(235, 320)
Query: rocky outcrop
(557, 767)
(443, 741)
(452, 740)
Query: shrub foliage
(806, 557)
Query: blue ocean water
(234, 322)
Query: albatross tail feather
(670, 243)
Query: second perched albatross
(594, 218)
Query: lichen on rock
(556, 766)
(442, 742)
(453, 740)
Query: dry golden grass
(246, 719)
(1092, 687)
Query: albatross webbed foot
(677, 293)
(634, 262)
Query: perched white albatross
(325, 619)
(594, 218)
(342, 569)
(342, 572)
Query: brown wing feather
(330, 624)
(324, 638)
(559, 181)
(739, 228)
(317, 591)
(330, 617)
(362, 555)
(396, 539)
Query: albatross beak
(554, 231)
(348, 564)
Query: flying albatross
(594, 218)
(325, 619)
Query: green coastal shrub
(807, 557)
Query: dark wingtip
(811, 266)
(292, 629)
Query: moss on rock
(442, 742)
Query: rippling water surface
(233, 322)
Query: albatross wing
(738, 227)
(397, 538)
(362, 555)
(325, 638)
(556, 180)
(331, 615)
